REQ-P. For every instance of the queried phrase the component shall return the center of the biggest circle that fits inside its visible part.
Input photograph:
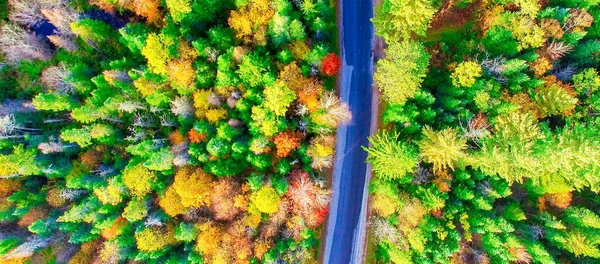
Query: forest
(489, 146)
(166, 131)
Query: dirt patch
(452, 16)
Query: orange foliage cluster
(91, 158)
(149, 9)
(222, 202)
(115, 229)
(526, 105)
(309, 96)
(87, 253)
(559, 200)
(442, 180)
(7, 187)
(196, 137)
(54, 198)
(33, 215)
(286, 142)
(176, 138)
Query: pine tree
(392, 159)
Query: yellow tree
(194, 186)
(182, 76)
(250, 21)
(442, 148)
(137, 179)
(156, 53)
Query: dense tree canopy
(492, 155)
(177, 131)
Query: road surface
(344, 242)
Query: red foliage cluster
(331, 64)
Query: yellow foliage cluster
(171, 203)
(194, 186)
(182, 76)
(527, 33)
(215, 115)
(299, 49)
(137, 179)
(555, 98)
(145, 87)
(466, 74)
(111, 194)
(518, 125)
(250, 22)
(201, 102)
(156, 53)
(410, 214)
(209, 238)
(293, 78)
(178, 8)
(321, 151)
(383, 205)
(529, 7)
(266, 200)
(442, 148)
(156, 238)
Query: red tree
(331, 64)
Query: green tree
(278, 98)
(398, 19)
(53, 102)
(392, 159)
(400, 74)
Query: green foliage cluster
(177, 131)
(493, 158)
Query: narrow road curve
(345, 238)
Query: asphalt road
(345, 229)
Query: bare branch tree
(11, 107)
(63, 41)
(182, 106)
(26, 249)
(25, 12)
(557, 50)
(56, 79)
(61, 18)
(18, 45)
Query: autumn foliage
(331, 64)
